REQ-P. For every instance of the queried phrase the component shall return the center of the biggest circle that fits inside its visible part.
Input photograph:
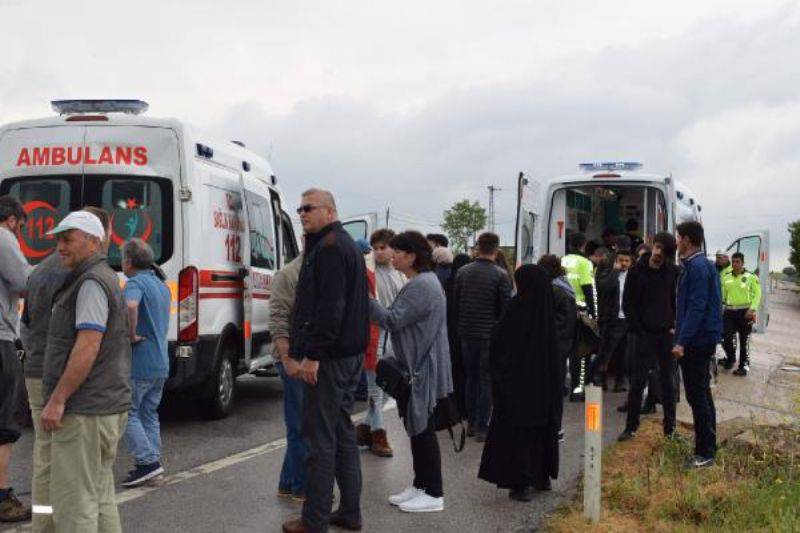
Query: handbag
(445, 416)
(393, 377)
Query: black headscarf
(524, 356)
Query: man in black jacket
(612, 322)
(649, 305)
(330, 328)
(482, 290)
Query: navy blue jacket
(699, 312)
(331, 307)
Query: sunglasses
(307, 208)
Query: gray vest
(107, 388)
(45, 280)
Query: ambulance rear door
(43, 169)
(134, 173)
(260, 256)
(527, 230)
(361, 226)
(755, 247)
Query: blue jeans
(377, 399)
(293, 471)
(143, 432)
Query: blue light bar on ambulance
(129, 107)
(610, 165)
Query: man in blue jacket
(698, 329)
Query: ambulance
(617, 196)
(210, 209)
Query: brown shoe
(380, 444)
(295, 525)
(363, 436)
(12, 510)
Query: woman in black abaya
(521, 451)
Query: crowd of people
(95, 367)
(501, 347)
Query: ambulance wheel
(221, 388)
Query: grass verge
(754, 486)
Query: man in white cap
(85, 381)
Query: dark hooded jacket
(649, 297)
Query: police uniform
(580, 273)
(740, 294)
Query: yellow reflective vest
(742, 291)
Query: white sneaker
(409, 494)
(423, 504)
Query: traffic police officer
(580, 275)
(741, 296)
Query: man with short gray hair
(148, 302)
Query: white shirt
(621, 280)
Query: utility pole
(492, 190)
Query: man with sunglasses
(329, 334)
(14, 270)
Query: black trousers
(613, 348)
(331, 442)
(695, 365)
(427, 461)
(736, 323)
(477, 382)
(10, 388)
(652, 353)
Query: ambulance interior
(624, 209)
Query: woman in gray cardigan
(417, 323)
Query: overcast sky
(416, 106)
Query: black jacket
(566, 312)
(608, 295)
(649, 298)
(482, 290)
(331, 308)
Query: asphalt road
(222, 475)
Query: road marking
(128, 495)
(173, 479)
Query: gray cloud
(417, 108)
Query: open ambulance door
(361, 226)
(527, 229)
(246, 277)
(755, 247)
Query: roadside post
(592, 454)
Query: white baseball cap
(82, 220)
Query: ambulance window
(356, 228)
(139, 208)
(46, 201)
(750, 247)
(262, 233)
(289, 243)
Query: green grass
(647, 488)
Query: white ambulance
(617, 196)
(209, 208)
